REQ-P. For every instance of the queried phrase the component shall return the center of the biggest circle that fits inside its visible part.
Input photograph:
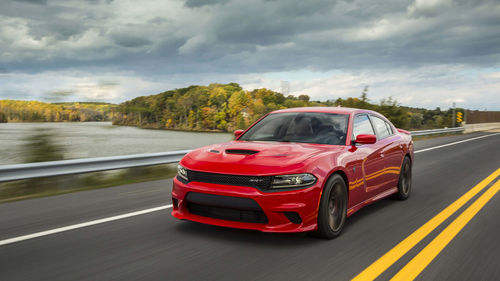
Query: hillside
(226, 107)
(216, 107)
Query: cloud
(427, 87)
(428, 7)
(78, 86)
(57, 95)
(38, 2)
(200, 3)
(194, 44)
(492, 75)
(188, 42)
(248, 36)
(126, 40)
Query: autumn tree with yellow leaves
(35, 111)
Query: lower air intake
(226, 213)
(225, 207)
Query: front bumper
(280, 208)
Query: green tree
(240, 121)
(304, 98)
(364, 102)
(220, 120)
(191, 119)
(394, 112)
(416, 120)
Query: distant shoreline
(172, 129)
(122, 125)
(40, 121)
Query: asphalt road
(155, 246)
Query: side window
(380, 127)
(361, 126)
(389, 128)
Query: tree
(394, 112)
(240, 121)
(237, 103)
(208, 115)
(416, 120)
(364, 101)
(191, 119)
(304, 97)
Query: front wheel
(404, 183)
(332, 211)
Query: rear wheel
(404, 184)
(332, 211)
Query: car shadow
(245, 236)
(369, 210)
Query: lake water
(96, 139)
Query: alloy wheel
(336, 207)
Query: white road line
(80, 225)
(453, 143)
(137, 213)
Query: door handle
(381, 155)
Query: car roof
(325, 109)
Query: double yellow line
(424, 257)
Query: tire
(404, 183)
(332, 211)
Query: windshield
(307, 127)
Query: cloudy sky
(424, 53)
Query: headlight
(297, 180)
(182, 172)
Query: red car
(295, 170)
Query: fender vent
(241, 151)
(293, 217)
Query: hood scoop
(241, 151)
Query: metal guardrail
(86, 165)
(437, 131)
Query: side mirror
(237, 133)
(366, 139)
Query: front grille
(261, 182)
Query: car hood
(255, 158)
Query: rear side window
(380, 127)
(389, 128)
(362, 126)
